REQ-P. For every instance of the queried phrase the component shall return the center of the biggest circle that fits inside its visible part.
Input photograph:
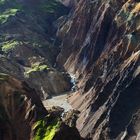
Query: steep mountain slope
(100, 45)
(28, 44)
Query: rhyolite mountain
(97, 41)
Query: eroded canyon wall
(101, 46)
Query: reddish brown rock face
(22, 114)
(100, 45)
(20, 107)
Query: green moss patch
(4, 16)
(8, 9)
(9, 45)
(38, 68)
(44, 131)
(3, 77)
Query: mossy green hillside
(46, 130)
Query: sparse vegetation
(46, 130)
(4, 16)
(9, 45)
(3, 77)
(38, 68)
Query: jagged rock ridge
(102, 41)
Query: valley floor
(61, 101)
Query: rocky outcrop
(102, 43)
(23, 116)
(11, 67)
(48, 81)
(20, 107)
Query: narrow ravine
(62, 99)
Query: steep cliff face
(20, 107)
(28, 49)
(100, 45)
